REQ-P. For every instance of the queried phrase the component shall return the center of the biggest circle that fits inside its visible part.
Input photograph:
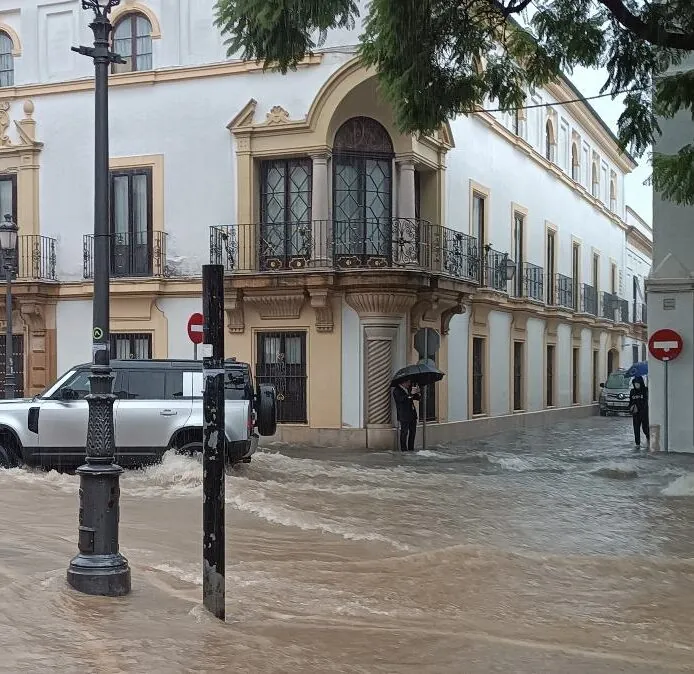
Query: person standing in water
(404, 395)
(638, 406)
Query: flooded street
(551, 551)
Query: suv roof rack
(174, 363)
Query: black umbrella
(421, 374)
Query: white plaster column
(320, 211)
(406, 226)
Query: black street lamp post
(99, 568)
(8, 245)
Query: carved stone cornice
(375, 303)
(321, 301)
(32, 315)
(285, 304)
(233, 305)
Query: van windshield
(617, 380)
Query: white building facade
(340, 235)
(671, 299)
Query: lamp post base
(99, 569)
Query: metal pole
(9, 339)
(195, 351)
(99, 568)
(214, 441)
(667, 411)
(424, 391)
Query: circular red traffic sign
(665, 344)
(195, 329)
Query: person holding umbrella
(405, 384)
(404, 394)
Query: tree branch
(652, 33)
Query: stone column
(321, 230)
(405, 229)
(379, 347)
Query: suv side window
(155, 384)
(79, 383)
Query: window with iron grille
(17, 364)
(551, 267)
(281, 361)
(518, 350)
(634, 353)
(6, 60)
(131, 345)
(478, 356)
(132, 39)
(549, 370)
(519, 251)
(575, 375)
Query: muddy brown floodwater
(553, 551)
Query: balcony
(564, 292)
(610, 306)
(529, 283)
(138, 254)
(589, 304)
(35, 258)
(324, 244)
(640, 316)
(496, 265)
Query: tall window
(549, 370)
(131, 222)
(478, 383)
(518, 376)
(613, 195)
(634, 353)
(613, 278)
(479, 203)
(132, 39)
(575, 163)
(595, 181)
(6, 60)
(8, 196)
(362, 193)
(576, 271)
(596, 374)
(644, 355)
(549, 140)
(285, 213)
(518, 251)
(635, 295)
(575, 375)
(551, 266)
(596, 271)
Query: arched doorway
(612, 361)
(362, 194)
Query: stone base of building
(437, 433)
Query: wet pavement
(554, 550)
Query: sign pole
(195, 351)
(213, 441)
(667, 414)
(424, 393)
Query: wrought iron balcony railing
(622, 310)
(35, 258)
(358, 244)
(528, 281)
(609, 306)
(565, 292)
(495, 269)
(133, 254)
(589, 305)
(640, 313)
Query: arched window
(132, 39)
(595, 180)
(549, 140)
(362, 193)
(6, 60)
(575, 164)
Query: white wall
(73, 320)
(177, 311)
(352, 368)
(458, 373)
(536, 364)
(499, 362)
(586, 365)
(563, 365)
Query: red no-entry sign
(195, 323)
(665, 344)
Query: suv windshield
(617, 380)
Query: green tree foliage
(428, 55)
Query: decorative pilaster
(320, 214)
(379, 370)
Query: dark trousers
(640, 422)
(408, 430)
